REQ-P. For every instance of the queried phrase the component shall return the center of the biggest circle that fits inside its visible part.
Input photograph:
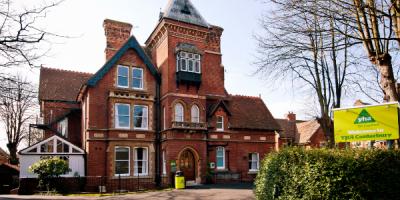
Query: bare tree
(377, 24)
(298, 43)
(17, 101)
(20, 35)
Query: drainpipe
(157, 119)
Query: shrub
(47, 170)
(296, 173)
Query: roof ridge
(247, 96)
(66, 70)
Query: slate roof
(306, 130)
(184, 11)
(60, 85)
(251, 113)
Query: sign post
(376, 122)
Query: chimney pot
(291, 116)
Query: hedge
(296, 173)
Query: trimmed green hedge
(295, 173)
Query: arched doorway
(187, 164)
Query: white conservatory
(50, 147)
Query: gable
(59, 145)
(132, 43)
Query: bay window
(188, 62)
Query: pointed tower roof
(184, 11)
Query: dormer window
(188, 62)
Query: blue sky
(84, 50)
(239, 18)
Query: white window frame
(194, 59)
(147, 118)
(164, 164)
(222, 123)
(223, 157)
(195, 119)
(182, 111)
(251, 161)
(62, 127)
(141, 79)
(135, 168)
(117, 115)
(127, 77)
(129, 160)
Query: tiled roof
(60, 85)
(251, 113)
(306, 130)
(184, 11)
(3, 153)
(289, 129)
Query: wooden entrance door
(187, 165)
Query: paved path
(208, 192)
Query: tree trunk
(327, 127)
(387, 82)
(12, 148)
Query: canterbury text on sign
(378, 122)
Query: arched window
(179, 112)
(195, 112)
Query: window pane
(123, 121)
(66, 148)
(123, 71)
(183, 64)
(140, 117)
(220, 162)
(47, 147)
(122, 154)
(197, 67)
(123, 76)
(139, 153)
(195, 114)
(220, 122)
(123, 109)
(137, 78)
(122, 167)
(190, 66)
(178, 113)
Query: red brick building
(152, 110)
(301, 133)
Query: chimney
(117, 33)
(291, 116)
